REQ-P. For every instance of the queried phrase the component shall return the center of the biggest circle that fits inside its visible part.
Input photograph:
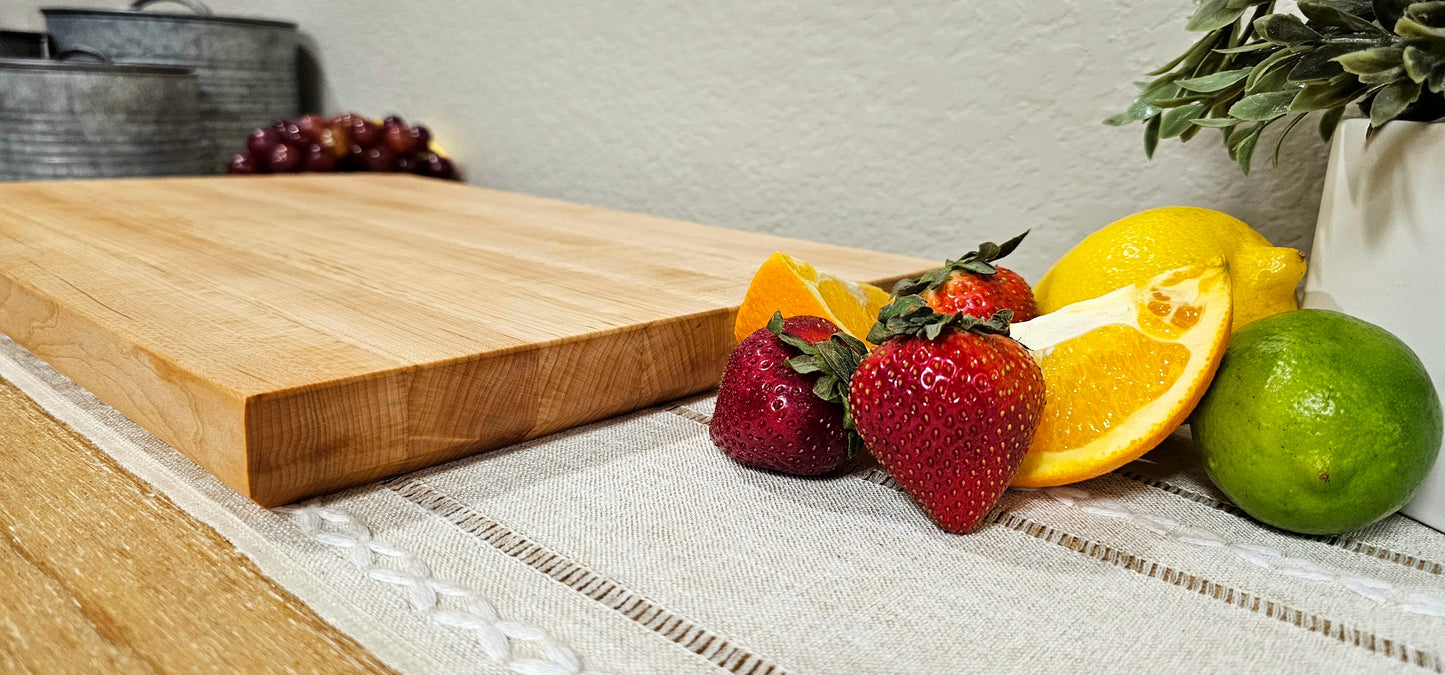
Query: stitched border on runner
(574, 575)
(1210, 589)
(1339, 541)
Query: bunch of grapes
(347, 142)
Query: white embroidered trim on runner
(1382, 592)
(337, 528)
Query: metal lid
(102, 65)
(202, 14)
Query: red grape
(260, 141)
(241, 165)
(327, 138)
(364, 132)
(319, 158)
(346, 142)
(284, 158)
(341, 138)
(379, 158)
(312, 124)
(292, 134)
(401, 139)
(436, 166)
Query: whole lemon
(1138, 247)
(1318, 422)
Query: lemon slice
(1123, 370)
(793, 287)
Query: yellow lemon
(1138, 247)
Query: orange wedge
(1123, 370)
(791, 286)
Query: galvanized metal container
(247, 67)
(63, 119)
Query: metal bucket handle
(194, 5)
(82, 50)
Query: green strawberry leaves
(911, 315)
(836, 358)
(977, 262)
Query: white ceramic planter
(1379, 251)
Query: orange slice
(1123, 370)
(791, 286)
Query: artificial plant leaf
(1339, 14)
(1338, 91)
(1162, 87)
(1243, 4)
(1437, 81)
(1409, 27)
(1117, 119)
(1243, 49)
(1201, 49)
(1393, 100)
(1172, 62)
(1329, 121)
(1182, 100)
(1245, 149)
(1430, 14)
(1263, 106)
(1138, 111)
(1284, 29)
(1274, 80)
(1384, 76)
(1265, 66)
(1215, 81)
(1419, 62)
(1367, 61)
(1319, 63)
(1279, 142)
(1176, 121)
(1151, 136)
(1387, 12)
(1189, 133)
(1215, 122)
(1212, 15)
(1234, 135)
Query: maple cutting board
(295, 335)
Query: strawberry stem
(979, 261)
(911, 315)
(835, 359)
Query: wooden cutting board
(297, 335)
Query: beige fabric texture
(633, 546)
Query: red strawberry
(948, 404)
(783, 403)
(973, 285)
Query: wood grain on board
(300, 334)
(103, 575)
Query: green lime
(1318, 422)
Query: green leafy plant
(1254, 68)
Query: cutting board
(296, 335)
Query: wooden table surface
(102, 574)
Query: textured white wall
(920, 129)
